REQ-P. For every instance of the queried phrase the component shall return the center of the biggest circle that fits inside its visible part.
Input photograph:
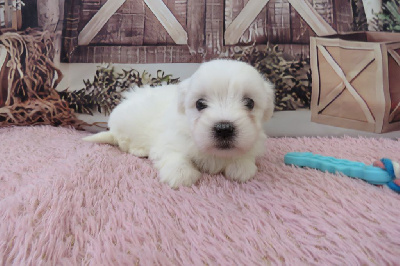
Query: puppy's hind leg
(103, 137)
(127, 145)
(139, 152)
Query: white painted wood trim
(396, 57)
(168, 20)
(313, 19)
(350, 88)
(98, 21)
(239, 25)
(331, 96)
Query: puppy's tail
(103, 137)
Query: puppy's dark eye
(201, 104)
(249, 103)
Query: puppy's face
(226, 103)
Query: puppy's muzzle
(224, 134)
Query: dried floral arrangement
(105, 91)
(29, 78)
(292, 78)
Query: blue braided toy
(394, 183)
(383, 172)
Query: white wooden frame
(242, 22)
(158, 7)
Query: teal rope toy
(383, 172)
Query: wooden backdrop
(168, 31)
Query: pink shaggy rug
(64, 201)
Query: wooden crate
(356, 81)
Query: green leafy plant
(105, 91)
(292, 78)
(389, 18)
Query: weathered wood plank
(159, 36)
(256, 32)
(110, 32)
(168, 20)
(298, 51)
(99, 52)
(214, 26)
(278, 22)
(239, 25)
(232, 10)
(123, 28)
(135, 54)
(136, 32)
(342, 16)
(196, 25)
(162, 34)
(70, 32)
(131, 7)
(180, 11)
(151, 27)
(135, 18)
(313, 19)
(300, 31)
(98, 21)
(171, 6)
(325, 9)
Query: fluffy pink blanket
(64, 201)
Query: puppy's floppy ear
(270, 91)
(182, 91)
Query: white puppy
(211, 122)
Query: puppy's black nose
(224, 130)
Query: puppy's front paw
(241, 170)
(177, 174)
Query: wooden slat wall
(152, 27)
(257, 31)
(300, 31)
(133, 23)
(132, 54)
(88, 9)
(214, 26)
(162, 35)
(324, 8)
(70, 32)
(196, 25)
(134, 29)
(280, 23)
(342, 15)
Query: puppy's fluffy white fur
(178, 133)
